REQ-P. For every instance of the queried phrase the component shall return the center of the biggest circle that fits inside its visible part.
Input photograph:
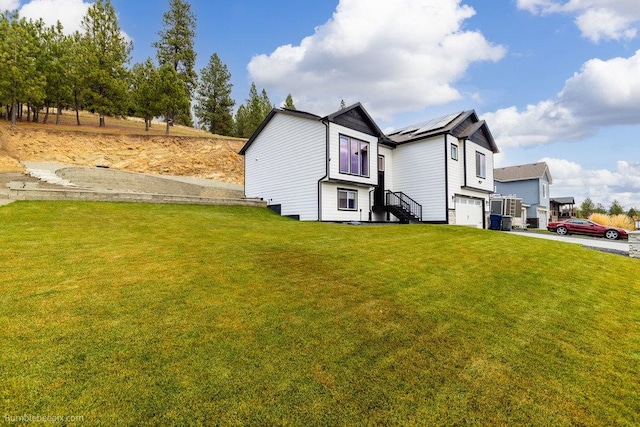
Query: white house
(342, 167)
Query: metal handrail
(404, 202)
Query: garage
(469, 211)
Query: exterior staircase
(403, 207)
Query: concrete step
(48, 175)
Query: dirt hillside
(198, 156)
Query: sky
(556, 80)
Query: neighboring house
(530, 183)
(342, 167)
(562, 208)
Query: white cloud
(9, 5)
(397, 56)
(596, 19)
(68, 12)
(601, 185)
(603, 93)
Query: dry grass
(89, 122)
(620, 221)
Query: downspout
(464, 160)
(326, 172)
(446, 178)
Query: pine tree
(175, 47)
(253, 112)
(106, 54)
(587, 208)
(21, 77)
(288, 103)
(58, 66)
(616, 208)
(144, 95)
(172, 93)
(214, 103)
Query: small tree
(250, 116)
(214, 103)
(172, 93)
(587, 208)
(616, 208)
(288, 103)
(633, 213)
(144, 82)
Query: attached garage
(469, 211)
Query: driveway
(617, 246)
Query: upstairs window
(354, 156)
(481, 165)
(454, 152)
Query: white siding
(485, 184)
(455, 170)
(330, 211)
(419, 172)
(284, 164)
(335, 131)
(388, 166)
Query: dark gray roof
(522, 172)
(563, 200)
(462, 125)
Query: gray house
(531, 183)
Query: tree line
(588, 207)
(46, 70)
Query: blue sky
(556, 80)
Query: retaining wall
(634, 244)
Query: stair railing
(405, 203)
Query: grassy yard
(157, 314)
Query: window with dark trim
(481, 165)
(354, 156)
(347, 200)
(454, 152)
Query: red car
(590, 228)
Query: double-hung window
(347, 200)
(481, 165)
(354, 156)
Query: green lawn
(135, 314)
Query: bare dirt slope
(199, 155)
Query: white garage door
(469, 212)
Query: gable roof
(462, 125)
(353, 117)
(522, 172)
(357, 118)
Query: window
(380, 163)
(481, 166)
(354, 156)
(544, 190)
(454, 152)
(347, 200)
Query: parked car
(585, 226)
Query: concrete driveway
(617, 246)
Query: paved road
(593, 242)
